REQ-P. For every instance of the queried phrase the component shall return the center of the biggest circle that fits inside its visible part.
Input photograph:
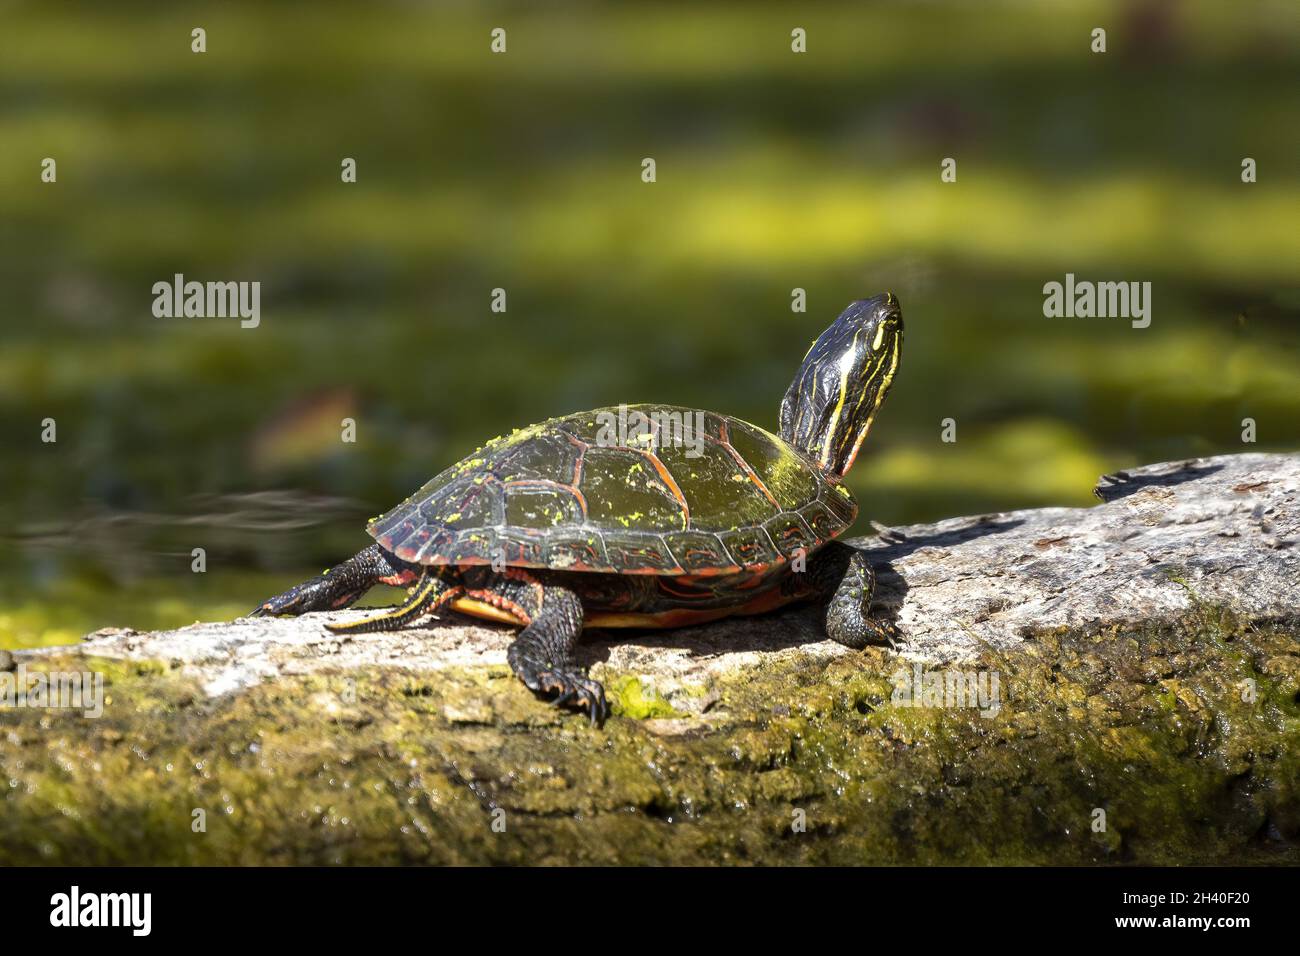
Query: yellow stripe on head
(846, 365)
(894, 354)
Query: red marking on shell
(497, 600)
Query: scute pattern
(550, 496)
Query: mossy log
(1115, 684)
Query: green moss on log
(1184, 738)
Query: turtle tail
(429, 593)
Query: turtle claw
(572, 689)
(299, 599)
(564, 698)
(888, 632)
(318, 594)
(887, 534)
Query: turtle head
(844, 378)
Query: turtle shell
(711, 495)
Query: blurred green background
(522, 171)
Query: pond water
(522, 172)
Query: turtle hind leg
(850, 584)
(341, 586)
(429, 594)
(542, 654)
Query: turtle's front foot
(848, 612)
(542, 655)
(879, 631)
(558, 678)
(570, 686)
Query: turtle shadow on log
(1122, 483)
(795, 626)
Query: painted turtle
(640, 516)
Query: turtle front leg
(341, 586)
(542, 654)
(845, 576)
